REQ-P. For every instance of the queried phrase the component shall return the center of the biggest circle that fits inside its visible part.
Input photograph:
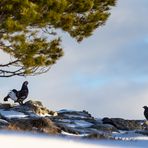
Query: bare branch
(21, 72)
(6, 73)
(9, 64)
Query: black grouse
(18, 96)
(146, 112)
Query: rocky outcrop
(83, 124)
(33, 108)
(122, 124)
(40, 124)
(33, 116)
(37, 108)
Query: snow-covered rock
(34, 117)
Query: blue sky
(106, 74)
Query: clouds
(110, 68)
(123, 99)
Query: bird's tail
(6, 98)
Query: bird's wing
(12, 95)
(23, 94)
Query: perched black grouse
(18, 96)
(146, 112)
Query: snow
(129, 135)
(65, 120)
(65, 110)
(71, 114)
(74, 135)
(79, 123)
(38, 141)
(45, 115)
(12, 114)
(82, 123)
(23, 140)
(75, 116)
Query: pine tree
(28, 30)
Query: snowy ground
(12, 114)
(17, 140)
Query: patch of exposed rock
(40, 124)
(122, 124)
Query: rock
(37, 107)
(99, 136)
(122, 124)
(3, 123)
(144, 125)
(69, 129)
(142, 132)
(5, 106)
(75, 114)
(82, 123)
(44, 125)
(105, 127)
(33, 116)
(34, 108)
(4, 118)
(72, 122)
